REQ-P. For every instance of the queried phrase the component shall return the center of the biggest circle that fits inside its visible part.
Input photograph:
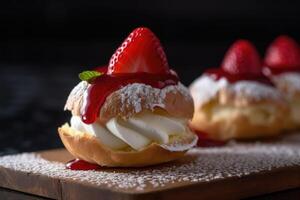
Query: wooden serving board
(237, 170)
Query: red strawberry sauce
(78, 164)
(218, 73)
(276, 71)
(105, 84)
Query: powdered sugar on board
(200, 165)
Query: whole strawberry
(284, 52)
(141, 51)
(242, 58)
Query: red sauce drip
(275, 71)
(205, 141)
(218, 73)
(105, 84)
(78, 164)
(103, 69)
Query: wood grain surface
(235, 187)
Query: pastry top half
(237, 100)
(288, 83)
(240, 94)
(133, 99)
(133, 108)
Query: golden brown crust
(294, 117)
(177, 102)
(236, 126)
(232, 115)
(89, 148)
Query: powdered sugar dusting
(76, 94)
(291, 79)
(132, 94)
(200, 165)
(254, 90)
(204, 88)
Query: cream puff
(237, 101)
(133, 113)
(282, 65)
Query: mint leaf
(89, 75)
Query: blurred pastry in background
(282, 65)
(237, 101)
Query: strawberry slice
(140, 52)
(242, 58)
(284, 52)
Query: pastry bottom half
(224, 122)
(293, 121)
(87, 147)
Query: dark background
(45, 44)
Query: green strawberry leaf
(89, 75)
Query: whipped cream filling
(137, 132)
(206, 88)
(100, 132)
